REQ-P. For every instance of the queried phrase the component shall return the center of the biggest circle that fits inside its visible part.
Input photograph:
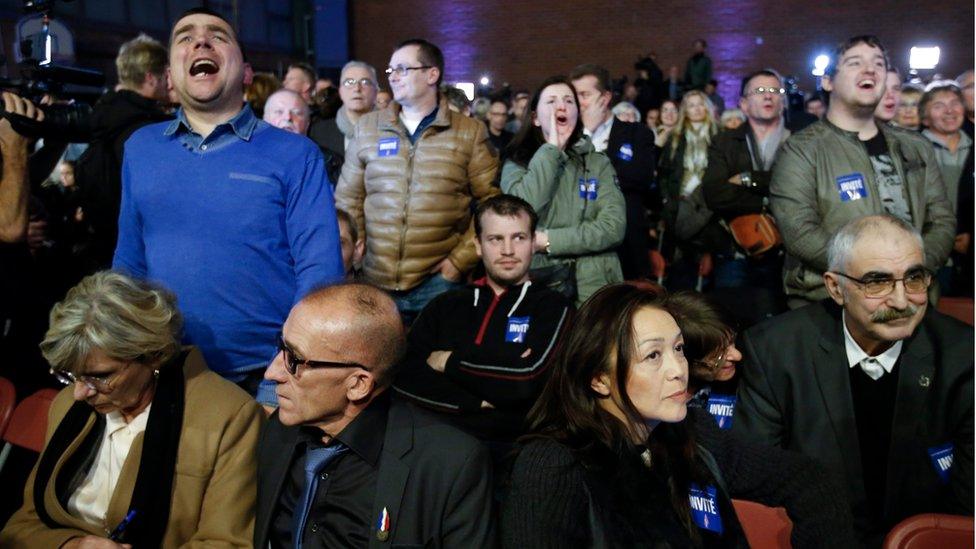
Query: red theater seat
(765, 527)
(957, 307)
(8, 400)
(931, 531)
(28, 426)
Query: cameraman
(136, 101)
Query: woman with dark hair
(554, 167)
(612, 460)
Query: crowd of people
(301, 312)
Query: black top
(340, 513)
(500, 349)
(632, 505)
(500, 141)
(874, 406)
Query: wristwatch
(746, 179)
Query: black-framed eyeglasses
(364, 82)
(762, 89)
(916, 282)
(100, 383)
(292, 362)
(402, 71)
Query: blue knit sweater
(240, 225)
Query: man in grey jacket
(847, 166)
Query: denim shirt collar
(242, 124)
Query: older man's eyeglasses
(916, 281)
(101, 383)
(352, 83)
(292, 362)
(762, 89)
(402, 71)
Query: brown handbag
(755, 233)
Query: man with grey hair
(871, 382)
(287, 110)
(357, 89)
(376, 468)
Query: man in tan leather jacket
(410, 175)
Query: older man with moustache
(872, 382)
(235, 216)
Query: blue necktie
(315, 461)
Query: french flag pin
(383, 525)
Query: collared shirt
(601, 135)
(241, 126)
(341, 512)
(951, 164)
(856, 355)
(90, 500)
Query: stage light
(820, 65)
(924, 57)
(485, 81)
(467, 88)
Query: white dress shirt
(91, 498)
(601, 135)
(873, 366)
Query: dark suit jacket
(637, 174)
(795, 393)
(434, 480)
(728, 155)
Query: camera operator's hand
(15, 104)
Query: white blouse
(90, 501)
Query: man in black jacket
(736, 182)
(871, 383)
(342, 463)
(479, 354)
(135, 102)
(630, 146)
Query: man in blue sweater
(233, 215)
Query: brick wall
(522, 42)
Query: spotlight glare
(485, 81)
(467, 88)
(924, 57)
(820, 65)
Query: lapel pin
(383, 525)
(924, 381)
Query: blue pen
(120, 529)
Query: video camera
(78, 87)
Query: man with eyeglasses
(410, 176)
(343, 463)
(736, 183)
(871, 382)
(357, 89)
(847, 166)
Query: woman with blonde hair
(145, 446)
(691, 228)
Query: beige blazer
(213, 488)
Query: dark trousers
(634, 249)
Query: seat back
(931, 531)
(8, 400)
(765, 527)
(957, 307)
(28, 426)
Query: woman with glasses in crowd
(554, 167)
(146, 446)
(614, 459)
